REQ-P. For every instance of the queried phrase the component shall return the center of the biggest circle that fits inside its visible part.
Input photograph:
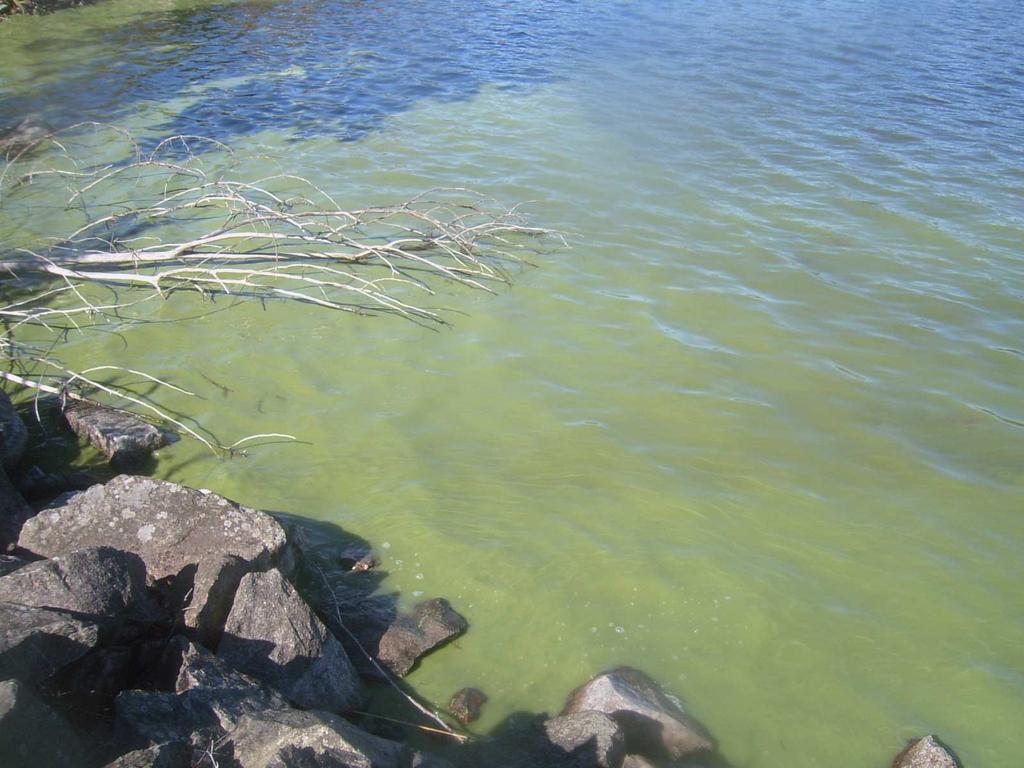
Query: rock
(35, 643)
(174, 754)
(13, 435)
(9, 564)
(208, 589)
(589, 739)
(358, 559)
(172, 528)
(14, 511)
(637, 761)
(32, 734)
(654, 725)
(275, 739)
(431, 623)
(37, 484)
(466, 704)
(99, 581)
(124, 439)
(22, 136)
(208, 700)
(926, 752)
(273, 635)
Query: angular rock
(208, 701)
(36, 484)
(654, 725)
(926, 752)
(35, 643)
(172, 528)
(275, 739)
(13, 435)
(208, 591)
(588, 739)
(466, 705)
(170, 755)
(32, 734)
(14, 511)
(431, 623)
(273, 635)
(98, 581)
(637, 761)
(125, 440)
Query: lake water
(759, 430)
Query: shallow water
(757, 431)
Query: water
(758, 431)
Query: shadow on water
(335, 69)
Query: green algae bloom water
(758, 431)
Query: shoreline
(154, 624)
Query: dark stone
(275, 739)
(358, 559)
(465, 705)
(273, 635)
(637, 761)
(173, 754)
(208, 699)
(172, 528)
(431, 623)
(13, 435)
(99, 581)
(588, 739)
(35, 643)
(86, 688)
(32, 734)
(123, 438)
(36, 484)
(9, 564)
(654, 725)
(926, 752)
(14, 511)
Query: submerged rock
(32, 734)
(208, 700)
(273, 635)
(588, 739)
(124, 439)
(170, 755)
(13, 435)
(653, 724)
(466, 705)
(99, 581)
(293, 738)
(22, 136)
(926, 752)
(35, 643)
(430, 624)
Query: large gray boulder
(36, 643)
(14, 511)
(273, 635)
(174, 754)
(653, 724)
(32, 734)
(193, 535)
(209, 698)
(99, 581)
(925, 752)
(430, 624)
(275, 739)
(587, 739)
(13, 435)
(124, 439)
(168, 525)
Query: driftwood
(280, 238)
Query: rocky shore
(143, 623)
